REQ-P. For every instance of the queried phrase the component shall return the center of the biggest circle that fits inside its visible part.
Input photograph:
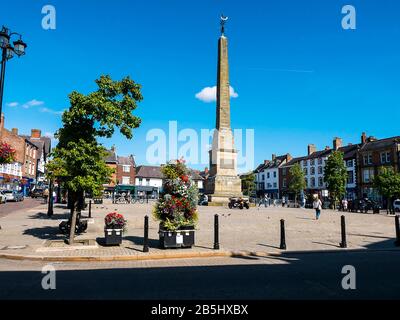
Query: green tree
(248, 184)
(297, 181)
(78, 159)
(335, 176)
(388, 184)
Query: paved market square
(27, 232)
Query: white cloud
(47, 110)
(209, 94)
(12, 104)
(32, 103)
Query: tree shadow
(55, 216)
(46, 233)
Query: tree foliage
(78, 159)
(248, 184)
(335, 176)
(387, 182)
(297, 182)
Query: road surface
(292, 276)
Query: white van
(396, 205)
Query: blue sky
(300, 78)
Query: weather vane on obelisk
(223, 21)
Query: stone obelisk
(223, 181)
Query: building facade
(126, 170)
(267, 176)
(373, 155)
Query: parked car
(396, 205)
(13, 195)
(364, 205)
(203, 200)
(3, 198)
(36, 193)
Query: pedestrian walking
(45, 195)
(317, 205)
(283, 201)
(304, 202)
(345, 204)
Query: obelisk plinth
(223, 181)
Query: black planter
(113, 237)
(181, 238)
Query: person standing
(317, 205)
(45, 195)
(345, 204)
(283, 201)
(266, 200)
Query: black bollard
(343, 244)
(216, 231)
(50, 210)
(283, 237)
(146, 234)
(147, 198)
(90, 208)
(397, 225)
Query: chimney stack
(14, 131)
(36, 133)
(337, 143)
(288, 157)
(273, 157)
(311, 149)
(327, 148)
(363, 138)
(205, 170)
(113, 148)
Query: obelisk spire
(223, 95)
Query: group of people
(46, 194)
(317, 203)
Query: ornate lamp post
(8, 52)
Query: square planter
(182, 238)
(113, 237)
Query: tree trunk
(73, 206)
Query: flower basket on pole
(7, 153)
(176, 208)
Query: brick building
(21, 173)
(126, 170)
(373, 155)
(43, 145)
(111, 161)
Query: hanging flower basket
(176, 208)
(7, 153)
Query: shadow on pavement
(55, 216)
(153, 243)
(46, 233)
(291, 276)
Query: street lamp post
(7, 53)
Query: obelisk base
(221, 188)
